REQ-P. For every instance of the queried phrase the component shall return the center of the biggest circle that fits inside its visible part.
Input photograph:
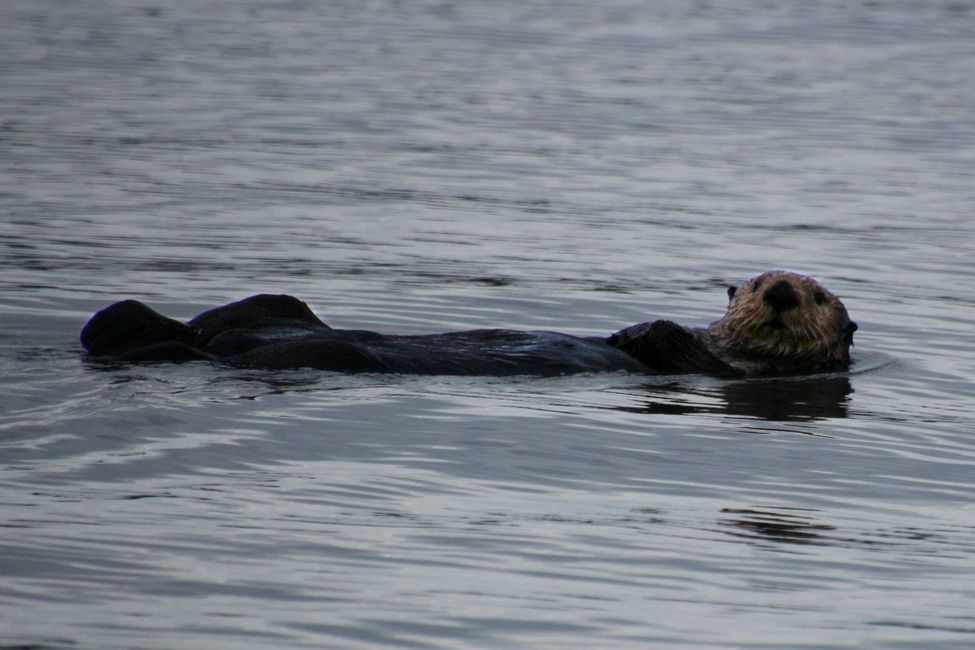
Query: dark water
(424, 166)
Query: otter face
(786, 315)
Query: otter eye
(756, 284)
(731, 292)
(819, 297)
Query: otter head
(787, 316)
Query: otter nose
(781, 297)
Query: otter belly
(475, 352)
(267, 331)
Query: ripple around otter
(423, 167)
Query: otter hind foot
(129, 325)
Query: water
(420, 167)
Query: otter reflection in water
(794, 399)
(776, 323)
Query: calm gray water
(425, 166)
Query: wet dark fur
(761, 334)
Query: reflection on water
(810, 399)
(786, 526)
(785, 399)
(424, 167)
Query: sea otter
(777, 323)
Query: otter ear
(731, 292)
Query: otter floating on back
(777, 323)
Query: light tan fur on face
(817, 329)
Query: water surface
(420, 167)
